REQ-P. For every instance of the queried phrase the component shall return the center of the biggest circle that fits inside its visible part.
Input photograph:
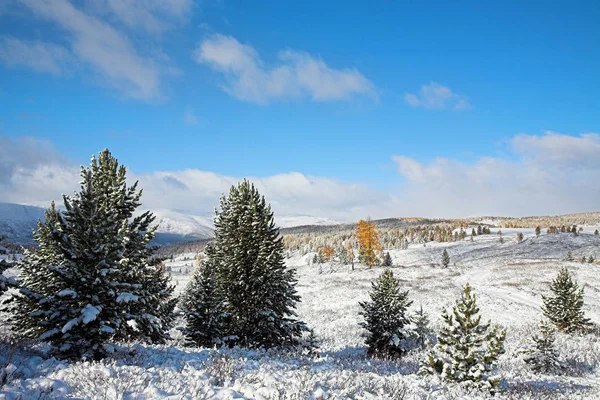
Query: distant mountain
(18, 222)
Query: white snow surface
(508, 279)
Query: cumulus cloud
(295, 75)
(541, 174)
(95, 43)
(436, 96)
(548, 174)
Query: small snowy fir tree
(542, 356)
(466, 349)
(386, 317)
(259, 290)
(387, 259)
(565, 307)
(90, 281)
(420, 320)
(591, 259)
(519, 237)
(569, 256)
(445, 258)
(203, 307)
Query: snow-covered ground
(509, 279)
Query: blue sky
(388, 97)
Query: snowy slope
(18, 221)
(288, 221)
(177, 227)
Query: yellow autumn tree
(368, 242)
(327, 252)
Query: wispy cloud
(39, 56)
(95, 42)
(296, 74)
(436, 96)
(189, 118)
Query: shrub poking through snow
(90, 281)
(542, 356)
(203, 306)
(564, 308)
(386, 317)
(259, 291)
(466, 349)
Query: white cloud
(39, 56)
(97, 43)
(296, 75)
(436, 96)
(153, 16)
(548, 174)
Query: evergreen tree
(583, 259)
(90, 282)
(473, 233)
(445, 258)
(569, 256)
(259, 291)
(519, 237)
(596, 232)
(385, 317)
(422, 330)
(565, 308)
(591, 259)
(538, 230)
(203, 306)
(387, 259)
(479, 231)
(315, 259)
(466, 350)
(542, 356)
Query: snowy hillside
(288, 221)
(18, 221)
(177, 227)
(509, 280)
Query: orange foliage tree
(327, 253)
(368, 242)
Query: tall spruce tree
(386, 317)
(422, 330)
(565, 307)
(542, 356)
(259, 291)
(203, 306)
(466, 349)
(90, 282)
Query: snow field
(508, 279)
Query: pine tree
(259, 291)
(596, 232)
(422, 330)
(591, 259)
(583, 259)
(203, 306)
(479, 230)
(519, 237)
(315, 259)
(538, 230)
(386, 317)
(466, 350)
(387, 260)
(473, 233)
(445, 258)
(565, 308)
(90, 282)
(542, 356)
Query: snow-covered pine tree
(569, 256)
(466, 349)
(90, 281)
(203, 306)
(542, 356)
(565, 307)
(259, 291)
(445, 258)
(420, 320)
(387, 259)
(386, 317)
